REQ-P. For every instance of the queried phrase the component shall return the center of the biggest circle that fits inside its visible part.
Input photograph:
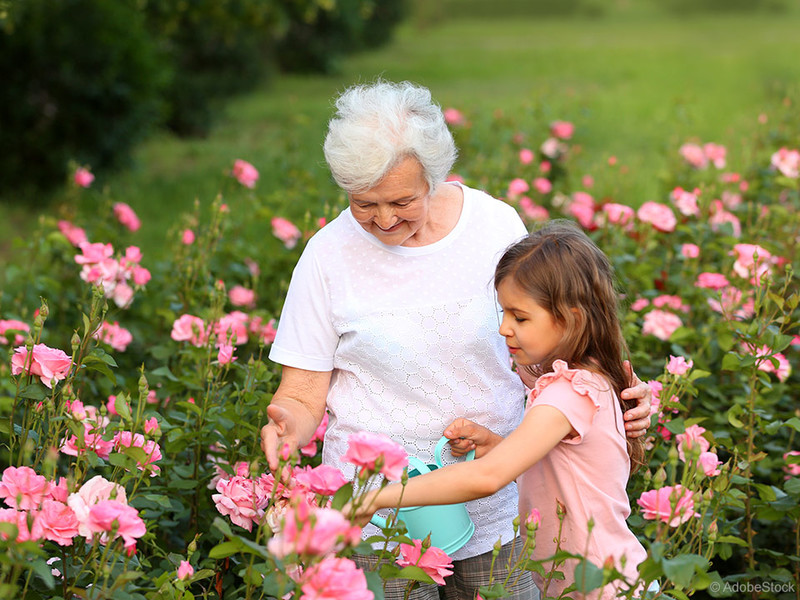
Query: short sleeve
(574, 393)
(306, 337)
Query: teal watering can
(449, 525)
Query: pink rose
(376, 452)
(640, 304)
(242, 500)
(112, 515)
(188, 328)
(517, 186)
(225, 354)
(285, 231)
(690, 250)
(115, 336)
(245, 173)
(694, 155)
(126, 216)
(335, 579)
(542, 185)
(526, 156)
(128, 439)
(712, 281)
(55, 522)
(313, 531)
(22, 488)
(715, 153)
(185, 570)
(241, 296)
(91, 441)
(49, 364)
(587, 181)
(59, 491)
(618, 214)
(660, 216)
(187, 238)
(75, 235)
(787, 162)
(692, 441)
(434, 561)
(562, 129)
(14, 326)
(673, 302)
(532, 211)
(678, 365)
(90, 493)
(453, 116)
(233, 327)
(661, 324)
(720, 217)
(552, 148)
(792, 467)
(83, 177)
(151, 426)
(685, 202)
(323, 479)
(752, 262)
(94, 253)
(671, 504)
(141, 275)
(709, 463)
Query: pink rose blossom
(14, 326)
(245, 173)
(365, 449)
(225, 355)
(313, 531)
(545, 166)
(310, 449)
(542, 185)
(678, 365)
(242, 500)
(75, 235)
(185, 570)
(115, 336)
(792, 467)
(715, 153)
(55, 522)
(686, 202)
(752, 262)
(112, 515)
(712, 281)
(733, 303)
(694, 155)
(660, 216)
(59, 491)
(141, 276)
(526, 156)
(618, 214)
(126, 216)
(151, 426)
(83, 177)
(22, 488)
(690, 250)
(534, 518)
(731, 200)
(517, 186)
(335, 579)
(787, 162)
(187, 237)
(709, 463)
(552, 148)
(562, 129)
(94, 253)
(285, 231)
(128, 439)
(233, 327)
(188, 328)
(767, 359)
(18, 518)
(692, 440)
(434, 561)
(720, 217)
(89, 494)
(91, 441)
(49, 364)
(323, 479)
(241, 296)
(453, 116)
(532, 211)
(587, 181)
(671, 504)
(661, 324)
(673, 302)
(640, 304)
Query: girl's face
(531, 332)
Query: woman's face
(396, 210)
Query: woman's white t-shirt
(411, 335)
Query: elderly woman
(390, 321)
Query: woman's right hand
(466, 435)
(277, 434)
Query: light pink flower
(709, 463)
(233, 327)
(562, 129)
(787, 162)
(151, 425)
(534, 518)
(242, 296)
(618, 214)
(185, 570)
(313, 531)
(285, 231)
(526, 156)
(712, 281)
(92, 440)
(335, 579)
(661, 324)
(694, 155)
(669, 301)
(14, 326)
(752, 262)
(685, 202)
(376, 452)
(55, 522)
(660, 216)
(791, 468)
(720, 217)
(671, 504)
(18, 518)
(545, 166)
(310, 449)
(128, 439)
(690, 250)
(22, 488)
(49, 364)
(552, 148)
(126, 216)
(715, 153)
(678, 365)
(115, 336)
(587, 181)
(532, 211)
(89, 494)
(242, 500)
(59, 491)
(83, 177)
(75, 235)
(692, 441)
(187, 237)
(245, 173)
(517, 186)
(542, 185)
(453, 116)
(767, 359)
(94, 253)
(225, 355)
(323, 479)
(640, 304)
(434, 561)
(188, 328)
(112, 515)
(140, 275)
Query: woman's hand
(465, 435)
(637, 419)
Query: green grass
(635, 84)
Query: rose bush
(133, 387)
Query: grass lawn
(636, 85)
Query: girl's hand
(366, 508)
(465, 435)
(637, 419)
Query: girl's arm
(542, 428)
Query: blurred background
(159, 97)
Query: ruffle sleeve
(576, 393)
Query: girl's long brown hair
(570, 277)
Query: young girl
(560, 321)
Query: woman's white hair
(378, 125)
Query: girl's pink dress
(587, 474)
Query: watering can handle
(437, 453)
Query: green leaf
(34, 391)
(415, 574)
(681, 569)
(164, 372)
(43, 572)
(588, 576)
(225, 549)
(342, 496)
(101, 355)
(731, 362)
(121, 404)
